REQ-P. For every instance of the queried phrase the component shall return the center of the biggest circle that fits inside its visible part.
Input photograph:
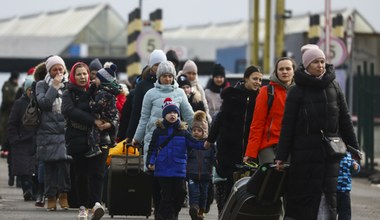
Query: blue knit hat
(169, 106)
(107, 75)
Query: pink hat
(190, 66)
(310, 52)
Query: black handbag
(335, 146)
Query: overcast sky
(192, 12)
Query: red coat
(265, 128)
(120, 100)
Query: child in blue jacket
(347, 167)
(167, 157)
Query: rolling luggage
(256, 197)
(129, 187)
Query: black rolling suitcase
(256, 197)
(129, 187)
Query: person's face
(253, 82)
(56, 69)
(191, 76)
(197, 133)
(28, 92)
(166, 79)
(93, 74)
(171, 117)
(81, 76)
(317, 67)
(154, 68)
(285, 71)
(218, 80)
(187, 89)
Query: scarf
(56, 108)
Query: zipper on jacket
(244, 123)
(269, 128)
(199, 164)
(307, 121)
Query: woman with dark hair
(269, 109)
(230, 129)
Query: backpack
(270, 90)
(31, 117)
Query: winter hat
(30, 71)
(169, 106)
(29, 79)
(218, 70)
(107, 75)
(53, 60)
(157, 56)
(14, 75)
(310, 52)
(165, 67)
(95, 65)
(190, 66)
(250, 70)
(171, 55)
(182, 81)
(200, 121)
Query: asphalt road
(365, 203)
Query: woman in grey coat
(50, 136)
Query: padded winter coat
(311, 105)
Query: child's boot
(193, 212)
(201, 213)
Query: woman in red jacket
(266, 124)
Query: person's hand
(105, 126)
(135, 143)
(355, 165)
(207, 145)
(57, 80)
(279, 165)
(246, 159)
(98, 123)
(151, 167)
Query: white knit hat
(157, 56)
(53, 60)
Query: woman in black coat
(21, 141)
(230, 127)
(315, 103)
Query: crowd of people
(192, 137)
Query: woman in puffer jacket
(315, 104)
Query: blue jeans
(198, 190)
(343, 200)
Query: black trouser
(173, 195)
(89, 176)
(57, 177)
(156, 193)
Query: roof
(238, 30)
(42, 34)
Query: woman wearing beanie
(214, 87)
(315, 104)
(269, 109)
(151, 111)
(230, 129)
(190, 69)
(21, 142)
(148, 80)
(50, 136)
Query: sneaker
(83, 213)
(94, 151)
(28, 196)
(97, 211)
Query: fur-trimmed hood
(182, 125)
